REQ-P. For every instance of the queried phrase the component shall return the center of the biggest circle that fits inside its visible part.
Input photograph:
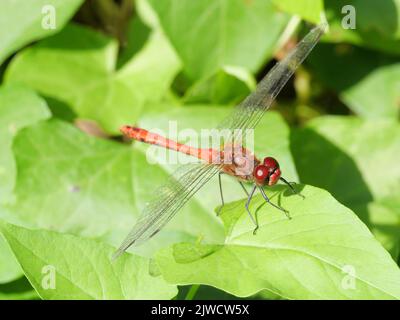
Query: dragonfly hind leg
(273, 204)
(250, 195)
(220, 192)
(244, 188)
(222, 195)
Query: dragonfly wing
(250, 111)
(167, 200)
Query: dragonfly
(232, 158)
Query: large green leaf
(377, 23)
(70, 182)
(21, 23)
(310, 10)
(356, 161)
(82, 268)
(371, 89)
(19, 107)
(78, 67)
(306, 257)
(211, 34)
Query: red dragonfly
(232, 159)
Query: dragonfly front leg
(291, 187)
(248, 211)
(273, 204)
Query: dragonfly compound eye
(261, 174)
(271, 164)
(274, 177)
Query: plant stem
(192, 292)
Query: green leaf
(377, 95)
(371, 31)
(356, 160)
(227, 86)
(371, 89)
(70, 182)
(82, 268)
(302, 258)
(310, 10)
(9, 267)
(211, 34)
(10, 270)
(21, 24)
(78, 67)
(19, 107)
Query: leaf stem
(192, 292)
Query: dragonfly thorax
(238, 162)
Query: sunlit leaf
(81, 268)
(356, 161)
(310, 10)
(210, 34)
(323, 252)
(21, 24)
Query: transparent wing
(249, 112)
(167, 200)
(184, 183)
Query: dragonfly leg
(248, 211)
(272, 204)
(291, 187)
(220, 192)
(244, 188)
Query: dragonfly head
(267, 173)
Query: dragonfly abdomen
(142, 135)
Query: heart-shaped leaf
(323, 252)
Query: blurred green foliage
(70, 189)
